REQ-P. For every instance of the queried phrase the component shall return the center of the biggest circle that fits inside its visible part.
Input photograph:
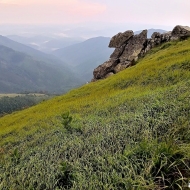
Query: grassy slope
(130, 131)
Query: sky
(100, 13)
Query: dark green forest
(11, 104)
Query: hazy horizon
(81, 31)
(89, 18)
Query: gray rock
(147, 46)
(122, 66)
(180, 32)
(102, 70)
(165, 37)
(129, 48)
(155, 35)
(118, 52)
(156, 38)
(109, 74)
(134, 47)
(124, 56)
(121, 38)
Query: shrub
(66, 120)
(65, 178)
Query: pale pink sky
(157, 12)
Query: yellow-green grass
(163, 67)
(129, 131)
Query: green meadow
(129, 131)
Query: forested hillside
(20, 72)
(19, 102)
(129, 131)
(40, 71)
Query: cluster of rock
(129, 48)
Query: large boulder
(180, 32)
(166, 37)
(118, 52)
(134, 47)
(128, 50)
(121, 66)
(102, 70)
(156, 38)
(121, 38)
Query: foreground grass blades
(130, 131)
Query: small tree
(67, 119)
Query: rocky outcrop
(180, 32)
(103, 70)
(133, 48)
(130, 47)
(121, 38)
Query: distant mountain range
(83, 56)
(28, 50)
(23, 68)
(86, 56)
(151, 31)
(45, 43)
(26, 69)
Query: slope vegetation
(129, 131)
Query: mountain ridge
(45, 44)
(85, 56)
(21, 72)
